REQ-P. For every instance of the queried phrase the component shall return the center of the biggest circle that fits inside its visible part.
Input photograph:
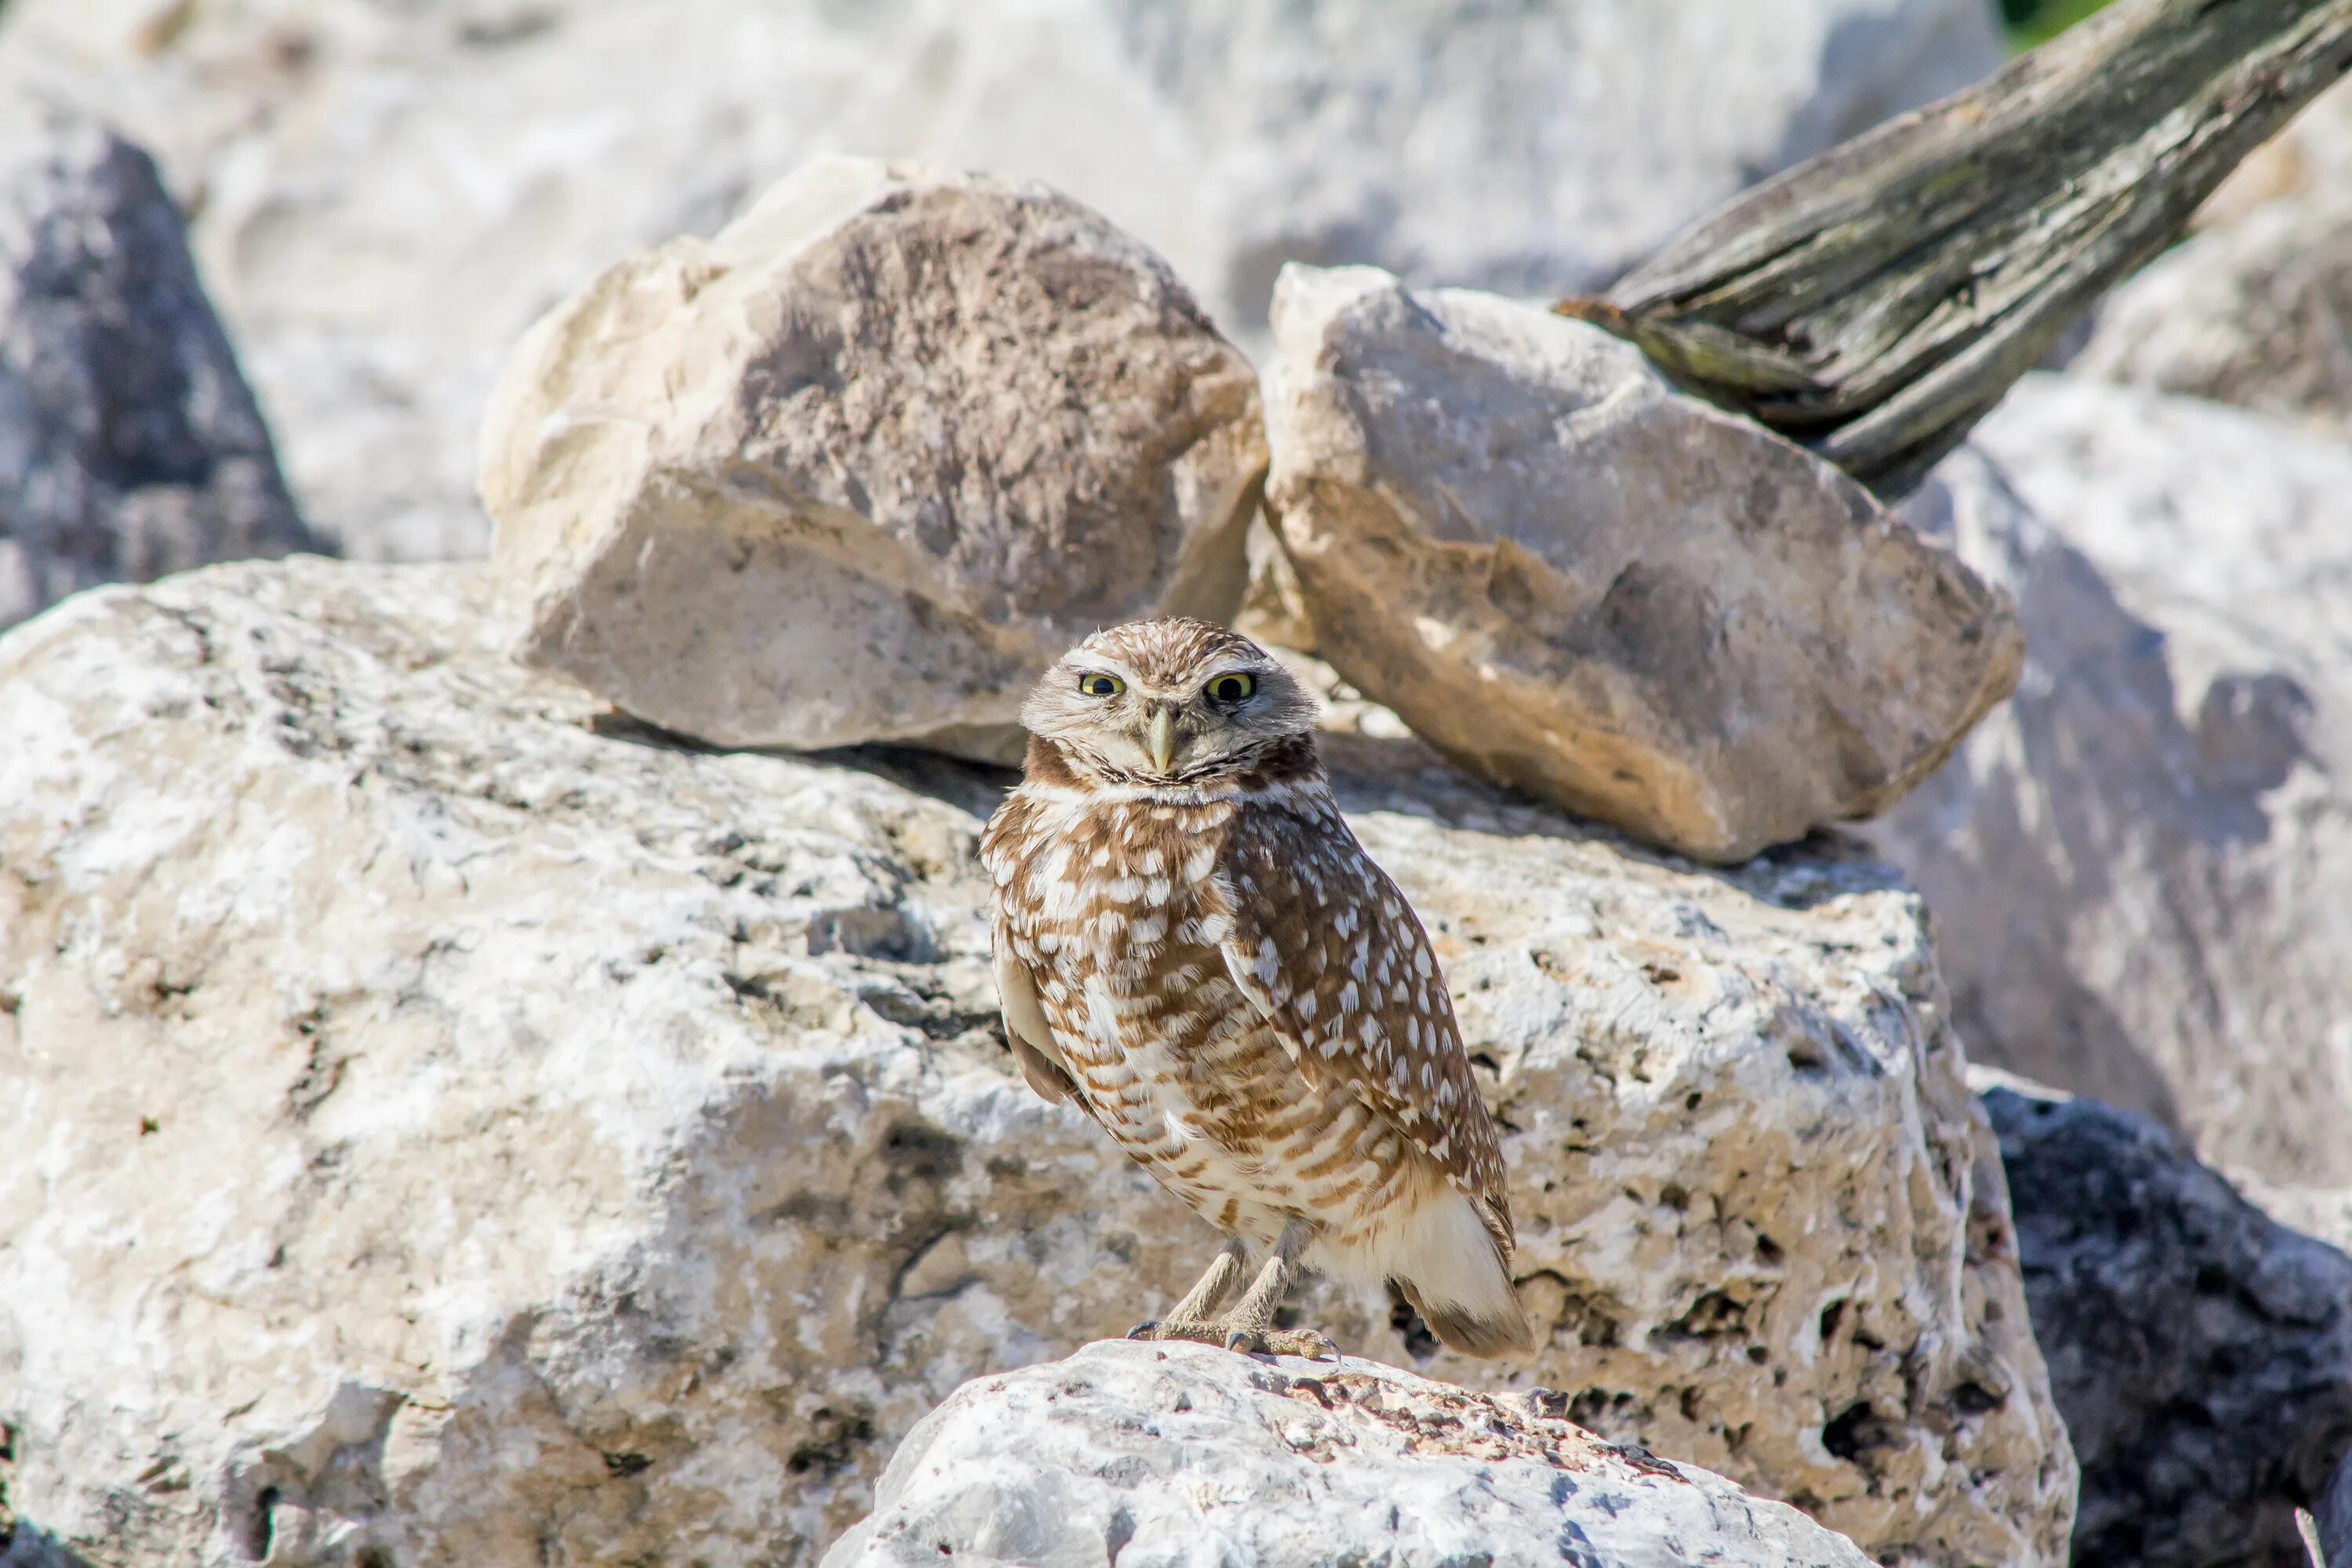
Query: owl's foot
(1192, 1330)
(1244, 1338)
(1281, 1342)
(1249, 1327)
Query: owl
(1192, 946)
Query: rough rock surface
(862, 466)
(2136, 866)
(1672, 619)
(473, 1128)
(391, 193)
(2256, 308)
(2200, 1352)
(1144, 1455)
(129, 444)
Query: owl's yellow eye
(1101, 685)
(1233, 687)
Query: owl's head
(1167, 700)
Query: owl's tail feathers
(1453, 1272)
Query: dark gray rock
(129, 445)
(2335, 1519)
(2200, 1352)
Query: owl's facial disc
(1136, 702)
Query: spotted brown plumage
(1190, 944)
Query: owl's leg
(1200, 1303)
(1249, 1327)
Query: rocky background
(498, 1063)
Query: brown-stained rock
(1574, 579)
(860, 466)
(1153, 1451)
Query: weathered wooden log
(1875, 302)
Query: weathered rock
(1185, 1454)
(2200, 1352)
(2256, 308)
(864, 465)
(393, 193)
(1575, 579)
(446, 1122)
(2136, 866)
(128, 444)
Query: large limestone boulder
(865, 464)
(1576, 579)
(2138, 866)
(2256, 308)
(1145, 1454)
(391, 194)
(451, 1122)
(2200, 1352)
(129, 444)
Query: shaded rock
(2255, 308)
(393, 193)
(1573, 578)
(2334, 1521)
(1145, 1454)
(2136, 866)
(467, 1126)
(2200, 1352)
(128, 444)
(863, 466)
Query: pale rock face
(2136, 866)
(1671, 619)
(391, 194)
(129, 446)
(449, 1121)
(863, 466)
(2256, 308)
(1149, 1456)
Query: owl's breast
(1114, 912)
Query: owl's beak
(1160, 738)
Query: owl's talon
(1305, 1343)
(1165, 1329)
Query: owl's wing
(1024, 1023)
(1328, 949)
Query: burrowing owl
(1190, 942)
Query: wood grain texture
(1876, 302)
